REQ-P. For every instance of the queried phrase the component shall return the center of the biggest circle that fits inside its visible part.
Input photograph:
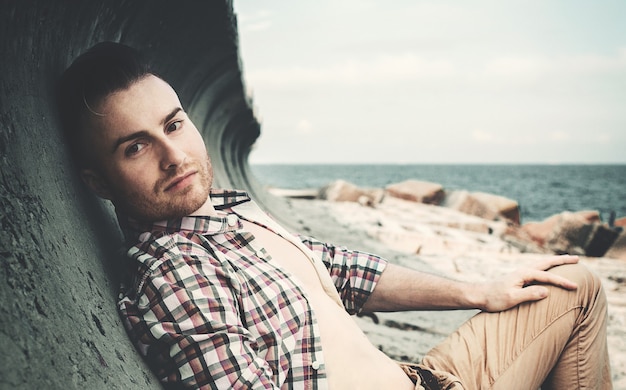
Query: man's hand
(523, 285)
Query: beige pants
(556, 343)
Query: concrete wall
(59, 244)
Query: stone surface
(618, 249)
(483, 205)
(620, 222)
(591, 216)
(572, 232)
(59, 327)
(343, 191)
(600, 241)
(417, 191)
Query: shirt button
(316, 365)
(232, 220)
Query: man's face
(151, 160)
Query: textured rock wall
(58, 324)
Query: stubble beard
(161, 205)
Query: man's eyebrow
(144, 133)
(171, 115)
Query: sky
(412, 81)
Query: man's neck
(206, 209)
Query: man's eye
(134, 148)
(174, 126)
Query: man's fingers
(532, 293)
(544, 277)
(554, 261)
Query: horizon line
(439, 163)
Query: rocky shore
(462, 235)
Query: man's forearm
(402, 288)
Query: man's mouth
(180, 181)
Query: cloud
(539, 66)
(257, 21)
(304, 126)
(559, 136)
(499, 138)
(258, 26)
(482, 136)
(604, 138)
(408, 67)
(512, 66)
(384, 69)
(598, 63)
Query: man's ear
(96, 183)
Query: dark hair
(105, 68)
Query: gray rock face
(59, 327)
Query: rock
(343, 191)
(521, 240)
(618, 249)
(540, 232)
(591, 216)
(579, 233)
(417, 191)
(484, 205)
(620, 222)
(601, 239)
(543, 232)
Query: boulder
(591, 216)
(618, 249)
(484, 205)
(601, 239)
(544, 231)
(417, 191)
(343, 191)
(620, 222)
(540, 232)
(579, 233)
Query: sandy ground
(442, 241)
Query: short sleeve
(354, 273)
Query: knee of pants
(589, 284)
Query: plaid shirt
(209, 309)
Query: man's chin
(179, 211)
(172, 210)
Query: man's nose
(172, 156)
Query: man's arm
(401, 289)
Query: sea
(540, 190)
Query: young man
(223, 297)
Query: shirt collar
(222, 200)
